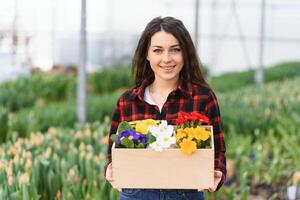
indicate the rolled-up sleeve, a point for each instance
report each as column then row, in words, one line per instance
column 113, row 130
column 213, row 112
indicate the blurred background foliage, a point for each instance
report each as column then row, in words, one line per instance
column 260, row 124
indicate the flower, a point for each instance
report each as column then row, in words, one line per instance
column 190, row 135
column 188, row 146
column 24, row 178
column 164, row 136
column 130, row 134
column 181, row 133
column 161, row 129
column 187, row 134
column 133, row 138
column 166, row 141
column 198, row 116
column 10, row 180
column 156, row 146
column 142, row 125
column 184, row 118
column 201, row 133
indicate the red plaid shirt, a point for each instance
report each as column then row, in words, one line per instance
column 187, row 98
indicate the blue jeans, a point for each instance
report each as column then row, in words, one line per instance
column 157, row 194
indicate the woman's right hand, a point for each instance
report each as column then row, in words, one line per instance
column 109, row 177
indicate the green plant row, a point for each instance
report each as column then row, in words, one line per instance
column 68, row 164
column 264, row 167
column 237, row 80
column 35, row 90
column 256, row 109
column 42, row 89
column 246, row 111
column 60, row 164
column 39, row 90
column 261, row 129
column 58, row 114
column 109, row 80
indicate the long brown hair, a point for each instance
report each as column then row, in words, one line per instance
column 191, row 69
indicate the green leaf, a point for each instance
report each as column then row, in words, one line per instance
column 45, row 162
column 25, row 194
column 127, row 143
column 15, row 195
column 140, row 145
column 150, row 138
column 124, row 126
column 114, row 137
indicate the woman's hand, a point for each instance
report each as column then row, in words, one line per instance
column 218, row 177
column 109, row 177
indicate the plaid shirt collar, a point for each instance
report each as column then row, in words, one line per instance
column 184, row 87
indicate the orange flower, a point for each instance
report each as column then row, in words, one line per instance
column 187, row 146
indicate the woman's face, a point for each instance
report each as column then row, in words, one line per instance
column 165, row 56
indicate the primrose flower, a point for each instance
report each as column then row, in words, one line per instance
column 142, row 126
column 163, row 134
column 156, row 146
column 162, row 130
column 188, row 146
column 165, row 141
column 181, row 133
column 201, row 133
column 130, row 134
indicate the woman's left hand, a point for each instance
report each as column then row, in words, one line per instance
column 218, row 177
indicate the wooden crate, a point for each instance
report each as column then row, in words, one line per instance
column 169, row 169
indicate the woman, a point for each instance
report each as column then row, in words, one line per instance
column 168, row 80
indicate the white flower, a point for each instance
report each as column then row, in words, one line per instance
column 155, row 145
column 162, row 129
column 163, row 134
column 166, row 141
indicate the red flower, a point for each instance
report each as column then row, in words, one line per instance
column 201, row 117
column 180, row 120
column 184, row 117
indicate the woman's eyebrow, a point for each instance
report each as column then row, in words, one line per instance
column 175, row 45
column 172, row 46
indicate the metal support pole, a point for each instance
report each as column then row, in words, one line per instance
column 259, row 76
column 81, row 76
column 196, row 24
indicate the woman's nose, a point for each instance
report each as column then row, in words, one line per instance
column 167, row 57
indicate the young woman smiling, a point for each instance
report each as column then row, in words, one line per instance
column 168, row 80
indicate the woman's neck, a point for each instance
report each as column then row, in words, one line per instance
column 163, row 87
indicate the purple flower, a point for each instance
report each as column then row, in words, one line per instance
column 126, row 134
column 142, row 138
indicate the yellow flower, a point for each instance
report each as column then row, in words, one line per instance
column 142, row 125
column 141, row 128
column 201, row 133
column 187, row 146
column 191, row 133
column 180, row 133
column 149, row 122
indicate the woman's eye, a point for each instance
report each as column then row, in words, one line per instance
column 157, row 50
column 175, row 50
